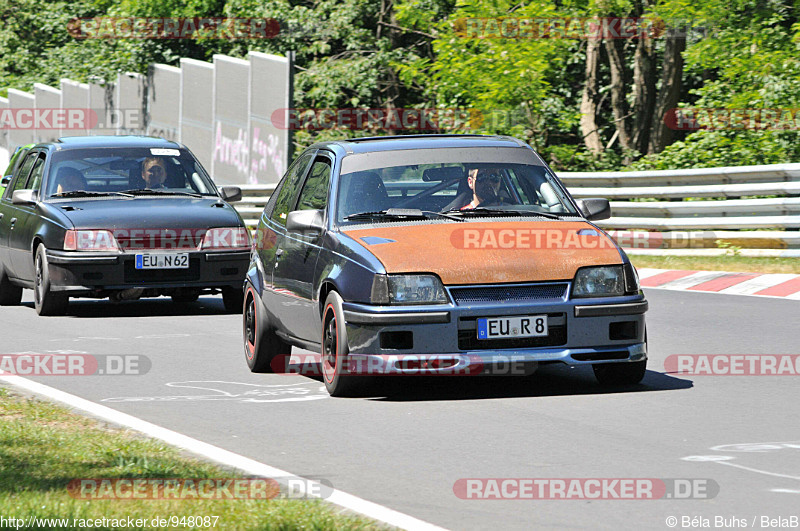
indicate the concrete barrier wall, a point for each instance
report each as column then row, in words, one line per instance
column 222, row 111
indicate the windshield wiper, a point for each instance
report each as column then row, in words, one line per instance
column 151, row 191
column 399, row 213
column 85, row 193
column 480, row 211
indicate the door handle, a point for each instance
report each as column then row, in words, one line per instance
column 278, row 252
column 1, row 215
column 13, row 220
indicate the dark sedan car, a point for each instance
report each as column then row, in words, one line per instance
column 444, row 254
column 118, row 217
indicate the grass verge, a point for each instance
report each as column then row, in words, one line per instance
column 43, row 446
column 747, row 264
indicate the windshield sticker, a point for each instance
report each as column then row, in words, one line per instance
column 165, row 152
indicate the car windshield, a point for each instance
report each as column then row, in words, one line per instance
column 462, row 190
column 79, row 173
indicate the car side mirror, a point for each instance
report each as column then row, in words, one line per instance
column 595, row 209
column 24, row 197
column 309, row 221
column 230, row 193
column 5, row 180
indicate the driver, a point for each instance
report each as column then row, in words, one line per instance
column 154, row 172
column 485, row 185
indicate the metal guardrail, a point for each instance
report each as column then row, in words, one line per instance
column 653, row 205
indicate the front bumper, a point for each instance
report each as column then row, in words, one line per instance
column 77, row 272
column 442, row 339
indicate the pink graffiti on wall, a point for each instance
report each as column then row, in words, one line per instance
column 249, row 158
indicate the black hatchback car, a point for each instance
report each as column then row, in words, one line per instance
column 437, row 254
column 122, row 217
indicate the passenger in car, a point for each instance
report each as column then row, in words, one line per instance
column 69, row 180
column 154, row 172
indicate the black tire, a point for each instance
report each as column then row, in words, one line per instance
column 262, row 346
column 10, row 295
column 620, row 373
column 335, row 351
column 233, row 299
column 46, row 301
column 185, row 297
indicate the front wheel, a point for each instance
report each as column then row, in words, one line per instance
column 335, row 366
column 46, row 301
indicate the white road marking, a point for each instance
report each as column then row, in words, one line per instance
column 236, row 391
column 220, row 455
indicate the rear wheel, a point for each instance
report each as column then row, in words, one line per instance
column 10, row 295
column 46, row 301
column 233, row 298
column 334, row 350
column 263, row 348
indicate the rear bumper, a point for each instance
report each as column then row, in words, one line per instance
column 86, row 273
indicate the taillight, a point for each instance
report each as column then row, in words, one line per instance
column 90, row 240
column 226, row 238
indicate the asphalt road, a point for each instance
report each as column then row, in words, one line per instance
column 406, row 447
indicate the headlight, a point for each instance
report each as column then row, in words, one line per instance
column 604, row 281
column 408, row 289
column 90, row 240
column 227, row 238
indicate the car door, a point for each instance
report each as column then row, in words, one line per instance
column 294, row 269
column 19, row 242
column 272, row 228
column 9, row 212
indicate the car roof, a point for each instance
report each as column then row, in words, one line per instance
column 122, row 141
column 401, row 142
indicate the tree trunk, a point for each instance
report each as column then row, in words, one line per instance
column 669, row 93
column 615, row 49
column 644, row 93
column 591, row 136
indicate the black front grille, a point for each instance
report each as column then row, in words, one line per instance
column 150, row 276
column 468, row 336
column 517, row 293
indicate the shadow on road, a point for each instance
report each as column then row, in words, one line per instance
column 155, row 307
column 549, row 380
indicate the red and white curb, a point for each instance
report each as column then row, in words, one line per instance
column 786, row 286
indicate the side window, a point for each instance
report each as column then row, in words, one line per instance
column 289, row 187
column 35, row 180
column 314, row 195
column 22, row 175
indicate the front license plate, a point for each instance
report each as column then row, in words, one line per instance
column 162, row 261
column 518, row 326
